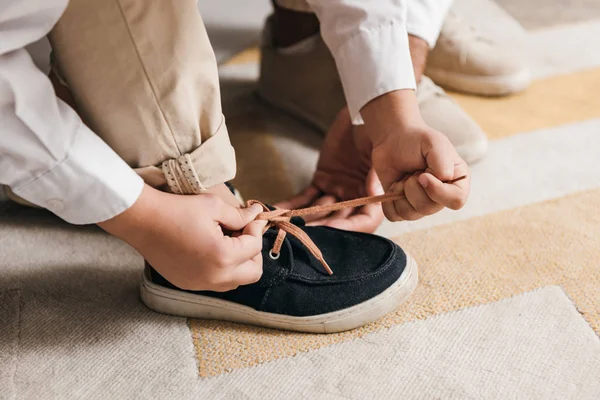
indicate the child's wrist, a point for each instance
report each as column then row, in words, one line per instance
column 391, row 113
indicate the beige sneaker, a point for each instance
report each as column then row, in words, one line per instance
column 302, row 80
column 17, row 199
column 463, row 60
column 442, row 113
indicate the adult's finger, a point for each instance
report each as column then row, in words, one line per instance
column 373, row 184
column 360, row 222
column 368, row 218
column 364, row 219
column 321, row 201
column 342, row 121
column 342, row 214
column 301, row 200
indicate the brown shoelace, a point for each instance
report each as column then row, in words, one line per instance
column 280, row 219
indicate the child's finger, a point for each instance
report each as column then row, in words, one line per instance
column 419, row 199
column 451, row 195
column 440, row 158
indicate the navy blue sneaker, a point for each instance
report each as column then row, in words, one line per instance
column 371, row 277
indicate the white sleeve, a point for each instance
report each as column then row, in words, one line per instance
column 47, row 155
column 369, row 42
column 425, row 18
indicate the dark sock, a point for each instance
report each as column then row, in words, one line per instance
column 230, row 187
column 290, row 27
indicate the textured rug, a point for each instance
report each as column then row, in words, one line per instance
column 508, row 304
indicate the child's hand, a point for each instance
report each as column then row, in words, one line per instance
column 408, row 155
column 183, row 238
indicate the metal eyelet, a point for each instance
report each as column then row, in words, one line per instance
column 274, row 256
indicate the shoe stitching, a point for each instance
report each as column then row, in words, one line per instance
column 388, row 263
column 263, row 302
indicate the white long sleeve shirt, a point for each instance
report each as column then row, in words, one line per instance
column 49, row 157
column 369, row 42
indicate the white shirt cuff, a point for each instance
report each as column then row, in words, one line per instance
column 374, row 62
column 90, row 185
column 425, row 19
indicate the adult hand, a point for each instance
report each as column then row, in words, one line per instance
column 343, row 172
column 185, row 238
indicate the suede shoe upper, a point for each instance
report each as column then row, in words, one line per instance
column 294, row 283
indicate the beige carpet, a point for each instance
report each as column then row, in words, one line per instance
column 9, row 332
column 508, row 304
column 533, row 346
column 463, row 264
column 534, row 200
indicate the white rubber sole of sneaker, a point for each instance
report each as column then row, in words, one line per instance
column 481, row 85
column 175, row 302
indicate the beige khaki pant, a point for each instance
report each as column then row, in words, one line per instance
column 144, row 78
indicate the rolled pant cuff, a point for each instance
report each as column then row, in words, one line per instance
column 210, row 164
